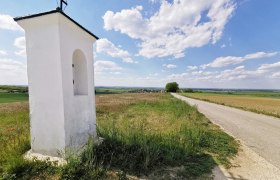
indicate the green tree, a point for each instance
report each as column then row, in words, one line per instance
column 171, row 87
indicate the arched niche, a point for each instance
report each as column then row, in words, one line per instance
column 79, row 68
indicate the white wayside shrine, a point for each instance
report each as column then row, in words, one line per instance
column 61, row 83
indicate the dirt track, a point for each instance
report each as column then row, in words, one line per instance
column 260, row 133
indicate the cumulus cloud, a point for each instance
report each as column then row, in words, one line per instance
column 13, row 72
column 176, row 26
column 240, row 73
column 21, row 44
column 223, row 46
column 3, row 53
column 7, row 22
column 129, row 60
column 169, row 66
column 154, row 1
column 153, row 74
column 233, row 60
column 191, row 68
column 239, row 77
column 100, row 66
column 276, row 75
column 269, row 67
column 178, row 76
column 115, row 73
column 107, row 47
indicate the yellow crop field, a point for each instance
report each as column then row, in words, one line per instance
column 263, row 105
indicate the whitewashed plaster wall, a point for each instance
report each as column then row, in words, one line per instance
column 60, row 120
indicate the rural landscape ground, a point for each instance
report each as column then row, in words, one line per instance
column 146, row 135
column 263, row 102
column 258, row 134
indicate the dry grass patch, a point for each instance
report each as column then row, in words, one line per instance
column 116, row 102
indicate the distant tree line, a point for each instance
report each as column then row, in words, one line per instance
column 14, row 89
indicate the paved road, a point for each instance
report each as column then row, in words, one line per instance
column 259, row 132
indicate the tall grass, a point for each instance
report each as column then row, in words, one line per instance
column 14, row 142
column 14, row 135
column 147, row 135
column 152, row 135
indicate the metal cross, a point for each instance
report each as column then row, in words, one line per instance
column 61, row 4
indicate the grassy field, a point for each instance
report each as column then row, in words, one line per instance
column 260, row 102
column 106, row 90
column 122, row 90
column 146, row 135
column 13, row 97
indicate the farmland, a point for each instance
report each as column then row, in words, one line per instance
column 267, row 102
column 146, row 135
column 13, row 97
column 10, row 94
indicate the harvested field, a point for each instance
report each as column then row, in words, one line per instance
column 263, row 105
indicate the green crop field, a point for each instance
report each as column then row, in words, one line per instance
column 10, row 94
column 264, row 102
column 149, row 135
column 13, row 97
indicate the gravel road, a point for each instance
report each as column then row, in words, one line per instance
column 258, row 132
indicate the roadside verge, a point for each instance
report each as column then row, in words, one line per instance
column 248, row 164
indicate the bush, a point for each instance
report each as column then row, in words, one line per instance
column 172, row 87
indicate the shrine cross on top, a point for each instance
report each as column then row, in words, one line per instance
column 61, row 4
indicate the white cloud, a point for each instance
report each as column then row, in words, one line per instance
column 154, row 74
column 175, row 27
column 100, row 66
column 128, row 21
column 203, row 73
column 21, row 52
column 116, row 73
column 191, row 68
column 178, row 76
column 13, row 72
column 228, row 76
column 154, row 1
column 179, row 55
column 233, row 60
column 276, row 75
column 129, row 60
column 223, row 46
column 3, row 53
column 21, row 44
column 7, row 22
column 259, row 55
column 107, row 47
column 169, row 66
column 239, row 77
column 269, row 67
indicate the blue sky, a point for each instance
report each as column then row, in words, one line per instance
column 198, row 43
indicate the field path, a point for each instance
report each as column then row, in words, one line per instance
column 260, row 133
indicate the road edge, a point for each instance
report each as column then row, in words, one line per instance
column 247, row 164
